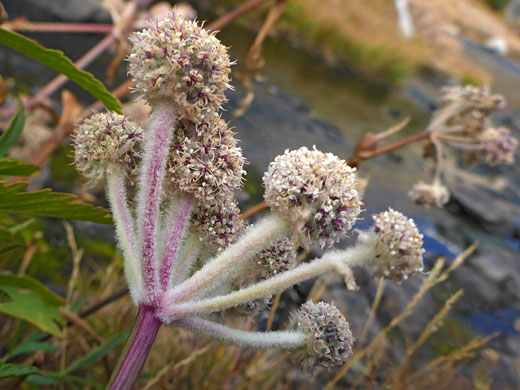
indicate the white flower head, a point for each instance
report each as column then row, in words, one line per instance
column 316, row 191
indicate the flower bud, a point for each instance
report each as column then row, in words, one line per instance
column 434, row 194
column 329, row 342
column 316, row 191
column 398, row 246
column 105, row 139
column 178, row 60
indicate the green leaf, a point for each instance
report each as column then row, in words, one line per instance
column 28, row 306
column 40, row 380
column 13, row 167
column 32, row 301
column 73, row 382
column 31, row 284
column 30, row 346
column 56, row 60
column 46, row 203
column 5, row 297
column 96, row 354
column 10, row 241
column 10, row 370
column 13, row 132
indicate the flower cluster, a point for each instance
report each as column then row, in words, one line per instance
column 429, row 194
column 316, row 191
column 498, row 145
column 463, row 124
column 187, row 253
column 279, row 257
column 178, row 60
column 205, row 160
column 329, row 339
column 104, row 140
column 398, row 246
column 218, row 225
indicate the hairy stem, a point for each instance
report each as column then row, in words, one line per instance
column 242, row 338
column 151, row 176
column 136, row 350
column 355, row 256
column 177, row 223
column 255, row 239
column 125, row 230
column 186, row 259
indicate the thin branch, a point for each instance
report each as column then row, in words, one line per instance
column 354, row 162
column 22, row 24
column 226, row 19
column 253, row 210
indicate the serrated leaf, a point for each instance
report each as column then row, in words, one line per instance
column 5, row 297
column 32, row 301
column 47, row 203
column 13, row 132
column 56, row 60
column 28, row 306
column 14, row 370
column 31, row 284
column 96, row 354
column 14, row 167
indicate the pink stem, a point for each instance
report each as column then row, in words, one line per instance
column 175, row 232
column 153, row 170
column 136, row 350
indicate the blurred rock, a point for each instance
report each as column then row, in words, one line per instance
column 505, row 374
column 396, row 298
column 485, row 294
column 65, row 10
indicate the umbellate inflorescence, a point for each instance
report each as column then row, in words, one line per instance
column 329, row 339
column 103, row 140
column 178, row 60
column 187, row 252
column 316, row 191
column 463, row 124
column 398, row 246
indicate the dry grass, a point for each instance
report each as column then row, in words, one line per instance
column 182, row 360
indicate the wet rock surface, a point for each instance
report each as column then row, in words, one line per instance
column 59, row 10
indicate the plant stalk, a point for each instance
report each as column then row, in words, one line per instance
column 136, row 350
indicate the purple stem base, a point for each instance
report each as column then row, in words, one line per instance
column 136, row 350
